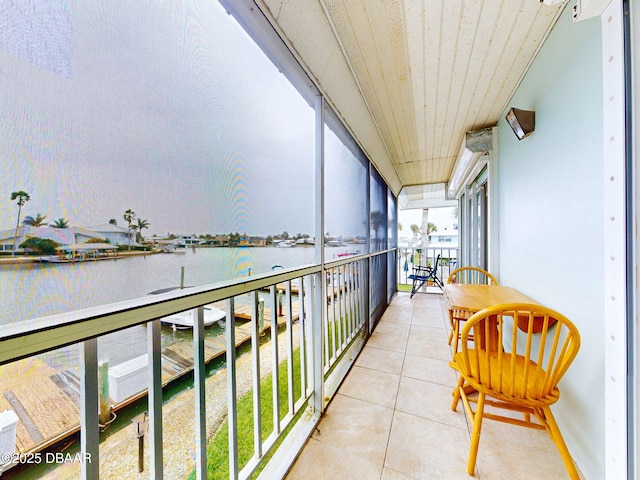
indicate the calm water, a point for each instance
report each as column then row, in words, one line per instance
column 33, row 291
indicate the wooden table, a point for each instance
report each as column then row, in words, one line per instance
column 471, row 298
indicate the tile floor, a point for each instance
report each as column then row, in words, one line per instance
column 392, row 417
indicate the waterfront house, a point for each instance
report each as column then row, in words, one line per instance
column 62, row 236
column 189, row 240
column 115, row 234
column 219, row 241
column 417, row 94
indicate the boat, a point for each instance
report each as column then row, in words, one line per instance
column 285, row 244
column 182, row 320
column 173, row 248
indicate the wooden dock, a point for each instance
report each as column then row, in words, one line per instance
column 47, row 401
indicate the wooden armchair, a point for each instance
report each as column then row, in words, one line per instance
column 473, row 275
column 510, row 366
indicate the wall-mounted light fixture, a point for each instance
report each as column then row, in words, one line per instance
column 523, row 122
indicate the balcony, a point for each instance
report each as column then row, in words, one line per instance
column 392, row 417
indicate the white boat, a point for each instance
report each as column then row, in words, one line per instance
column 285, row 244
column 179, row 249
column 212, row 314
column 182, row 320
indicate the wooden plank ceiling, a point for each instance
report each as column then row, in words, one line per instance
column 423, row 71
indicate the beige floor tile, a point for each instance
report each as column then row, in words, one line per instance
column 427, row 333
column 401, row 298
column 383, row 360
column 356, row 427
column 396, row 342
column 429, row 400
column 439, row 350
column 401, row 314
column 323, row 461
column 389, row 474
column 387, row 327
column 429, row 320
column 371, row 386
column 424, row 449
column 429, row 369
column 508, row 451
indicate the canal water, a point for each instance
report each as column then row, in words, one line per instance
column 32, row 291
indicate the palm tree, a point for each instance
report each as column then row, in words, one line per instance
column 60, row 223
column 377, row 221
column 129, row 216
column 37, row 221
column 415, row 229
column 22, row 197
column 113, row 221
column 141, row 224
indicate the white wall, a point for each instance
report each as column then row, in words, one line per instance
column 550, row 198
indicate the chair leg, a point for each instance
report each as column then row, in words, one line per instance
column 475, row 435
column 456, row 335
column 556, row 436
column 452, row 325
column 456, row 393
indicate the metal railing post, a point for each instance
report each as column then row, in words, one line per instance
column 155, row 399
column 232, row 406
column 199, row 377
column 89, row 428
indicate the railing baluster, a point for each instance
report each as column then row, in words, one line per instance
column 289, row 308
column 303, row 325
column 89, row 429
column 339, row 325
column 350, row 280
column 318, row 300
column 155, row 399
column 335, row 299
column 255, row 352
column 275, row 368
column 199, row 378
column 328, row 289
column 232, row 414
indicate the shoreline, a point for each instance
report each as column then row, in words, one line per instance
column 31, row 259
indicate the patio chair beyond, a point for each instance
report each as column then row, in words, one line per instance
column 422, row 274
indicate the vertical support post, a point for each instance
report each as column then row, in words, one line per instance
column 369, row 272
column 232, row 418
column 618, row 272
column 155, row 399
column 89, row 429
column 199, row 396
column 103, row 387
column 319, row 285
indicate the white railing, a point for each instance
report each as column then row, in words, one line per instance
column 321, row 314
column 414, row 256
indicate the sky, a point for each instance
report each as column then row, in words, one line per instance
column 165, row 108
